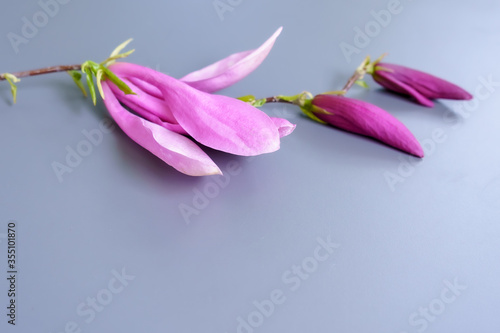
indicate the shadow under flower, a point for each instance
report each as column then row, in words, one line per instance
column 135, row 160
column 342, row 144
column 139, row 162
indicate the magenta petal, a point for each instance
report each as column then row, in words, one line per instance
column 219, row 122
column 284, row 126
column 429, row 86
column 230, row 70
column 388, row 81
column 146, row 114
column 367, row 119
column 174, row 149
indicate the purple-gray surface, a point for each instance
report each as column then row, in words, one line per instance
column 332, row 233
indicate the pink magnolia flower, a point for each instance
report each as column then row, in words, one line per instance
column 366, row 119
column 166, row 109
column 422, row 86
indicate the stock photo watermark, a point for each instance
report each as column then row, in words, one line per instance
column 223, row 6
column 74, row 156
column 408, row 165
column 210, row 190
column 291, row 279
column 213, row 185
column 364, row 35
column 422, row 318
column 93, row 305
column 11, row 272
column 31, row 24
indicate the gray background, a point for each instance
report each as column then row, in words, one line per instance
column 401, row 246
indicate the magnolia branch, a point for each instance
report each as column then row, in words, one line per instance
column 40, row 71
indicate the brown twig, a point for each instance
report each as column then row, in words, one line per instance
column 46, row 70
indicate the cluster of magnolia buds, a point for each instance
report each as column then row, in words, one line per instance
column 369, row 120
column 171, row 117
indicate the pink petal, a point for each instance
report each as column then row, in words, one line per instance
column 219, row 122
column 367, row 119
column 284, row 126
column 149, row 107
column 174, row 149
column 230, row 70
column 146, row 87
column 146, row 114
